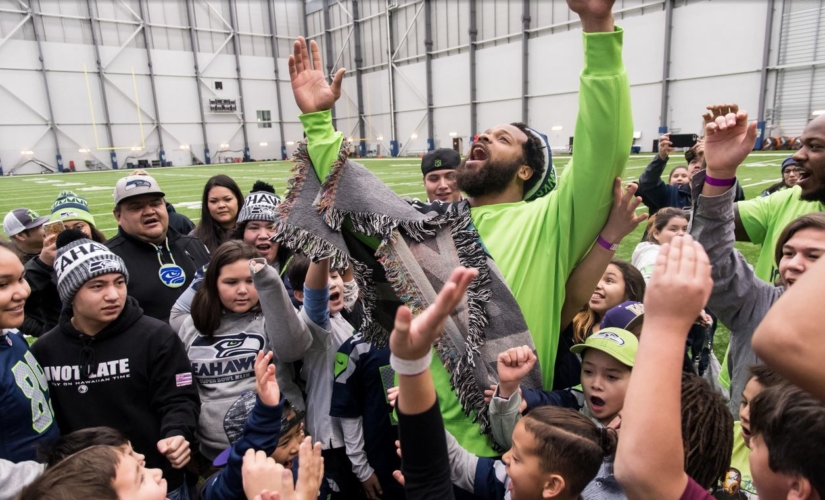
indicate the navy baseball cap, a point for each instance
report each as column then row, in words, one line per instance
column 627, row 315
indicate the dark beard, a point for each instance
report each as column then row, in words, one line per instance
column 492, row 178
column 817, row 195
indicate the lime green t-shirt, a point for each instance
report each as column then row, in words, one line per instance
column 738, row 483
column 764, row 219
column 537, row 244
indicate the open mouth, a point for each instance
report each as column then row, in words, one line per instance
column 596, row 403
column 803, row 176
column 333, row 297
column 597, row 296
column 150, row 222
column 746, row 432
column 477, row 155
column 288, row 464
column 263, row 247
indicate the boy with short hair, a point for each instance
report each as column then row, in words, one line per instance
column 738, row 483
column 108, row 364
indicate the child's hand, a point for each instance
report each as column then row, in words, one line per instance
column 679, row 288
column 176, row 450
column 412, row 338
column 622, row 219
column 310, row 470
column 392, row 395
column 256, row 264
column 265, row 382
column 513, row 365
column 262, row 475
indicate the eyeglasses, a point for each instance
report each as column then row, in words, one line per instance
column 792, row 170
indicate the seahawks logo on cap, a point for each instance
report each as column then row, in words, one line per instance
column 266, row 211
column 104, row 266
column 136, row 183
column 437, row 163
column 609, row 336
column 66, row 215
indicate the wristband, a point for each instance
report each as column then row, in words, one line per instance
column 719, row 182
column 606, row 244
column 411, row 367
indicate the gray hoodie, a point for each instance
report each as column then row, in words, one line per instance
column 739, row 299
column 224, row 365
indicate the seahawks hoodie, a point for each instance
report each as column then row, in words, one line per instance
column 224, row 364
column 133, row 376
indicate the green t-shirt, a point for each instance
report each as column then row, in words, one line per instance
column 738, row 483
column 536, row 245
column 764, row 219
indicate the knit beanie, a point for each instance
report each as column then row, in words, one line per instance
column 71, row 206
column 546, row 182
column 259, row 204
column 80, row 259
column 787, row 163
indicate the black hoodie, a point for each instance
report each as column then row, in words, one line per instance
column 139, row 381
column 141, row 259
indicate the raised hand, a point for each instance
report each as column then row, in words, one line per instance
column 679, row 288
column 596, row 15
column 623, row 219
column 309, row 85
column 263, row 476
column 413, row 338
column 665, row 146
column 310, row 470
column 265, row 382
column 729, row 139
column 513, row 365
column 49, row 250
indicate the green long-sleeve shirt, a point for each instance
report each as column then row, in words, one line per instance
column 536, row 245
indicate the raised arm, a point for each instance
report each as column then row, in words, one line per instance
column 790, row 339
column 316, row 293
column 287, row 333
column 421, row 428
column 650, row 458
column 736, row 289
column 584, row 278
column 603, row 133
column 315, row 97
column 652, row 188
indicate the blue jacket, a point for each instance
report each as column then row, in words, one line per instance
column 656, row 194
column 26, row 415
column 261, row 433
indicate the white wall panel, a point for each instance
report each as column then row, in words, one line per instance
column 451, row 80
column 499, row 72
column 688, row 98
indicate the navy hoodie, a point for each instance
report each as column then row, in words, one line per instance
column 139, row 382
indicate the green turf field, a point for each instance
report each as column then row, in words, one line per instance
column 183, row 187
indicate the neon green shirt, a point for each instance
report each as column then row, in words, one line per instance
column 765, row 218
column 536, row 245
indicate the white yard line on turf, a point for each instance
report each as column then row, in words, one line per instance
column 769, row 181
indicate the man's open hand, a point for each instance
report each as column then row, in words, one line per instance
column 309, row 85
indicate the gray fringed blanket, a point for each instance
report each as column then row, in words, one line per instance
column 417, row 249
